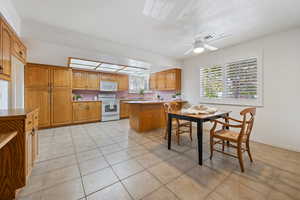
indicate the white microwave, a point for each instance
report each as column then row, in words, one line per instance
column 108, row 86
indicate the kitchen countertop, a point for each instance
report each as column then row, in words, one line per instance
column 155, row 101
column 82, row 101
column 14, row 113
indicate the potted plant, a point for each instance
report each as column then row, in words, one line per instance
column 178, row 95
column 142, row 92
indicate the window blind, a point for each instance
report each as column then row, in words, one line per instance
column 241, row 79
column 233, row 83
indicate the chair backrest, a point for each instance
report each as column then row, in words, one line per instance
column 170, row 107
column 248, row 121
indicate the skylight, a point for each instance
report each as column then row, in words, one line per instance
column 138, row 68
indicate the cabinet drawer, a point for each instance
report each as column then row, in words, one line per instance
column 29, row 122
column 19, row 50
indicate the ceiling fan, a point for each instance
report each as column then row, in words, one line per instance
column 199, row 46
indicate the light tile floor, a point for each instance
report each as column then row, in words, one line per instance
column 109, row 161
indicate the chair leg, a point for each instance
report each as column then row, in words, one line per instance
column 178, row 136
column 223, row 145
column 248, row 150
column 240, row 157
column 166, row 133
column 211, row 147
column 191, row 132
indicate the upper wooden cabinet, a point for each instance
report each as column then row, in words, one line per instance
column 108, row 77
column 9, row 45
column 37, row 76
column 123, row 82
column 166, row 80
column 152, row 81
column 85, row 80
column 5, row 56
column 61, row 77
column 19, row 50
column 93, row 82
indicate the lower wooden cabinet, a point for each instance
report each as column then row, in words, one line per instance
column 20, row 154
column 86, row 111
column 61, row 106
column 124, row 110
column 39, row 98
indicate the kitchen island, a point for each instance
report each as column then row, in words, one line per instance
column 147, row 115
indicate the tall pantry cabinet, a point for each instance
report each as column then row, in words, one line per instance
column 50, row 89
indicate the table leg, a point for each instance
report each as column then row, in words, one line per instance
column 200, row 141
column 169, row 130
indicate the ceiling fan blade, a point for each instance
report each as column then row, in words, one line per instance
column 188, row 51
column 209, row 47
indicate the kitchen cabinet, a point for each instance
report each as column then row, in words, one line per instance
column 85, row 80
column 5, row 56
column 124, row 110
column 161, row 81
column 86, row 111
column 61, row 105
column 166, row 80
column 93, row 82
column 108, row 77
column 49, row 89
column 39, row 98
column 61, row 77
column 78, row 80
column 21, row 153
column 19, row 50
column 123, row 82
column 152, row 81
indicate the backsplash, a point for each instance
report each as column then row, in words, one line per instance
column 90, row 95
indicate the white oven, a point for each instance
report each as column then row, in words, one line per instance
column 110, row 107
column 108, row 86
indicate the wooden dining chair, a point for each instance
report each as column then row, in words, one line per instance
column 180, row 126
column 241, row 138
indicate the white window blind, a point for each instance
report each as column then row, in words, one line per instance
column 236, row 82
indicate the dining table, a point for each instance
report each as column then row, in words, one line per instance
column 199, row 119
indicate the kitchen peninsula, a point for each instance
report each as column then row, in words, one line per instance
column 147, row 115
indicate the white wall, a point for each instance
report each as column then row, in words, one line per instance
column 9, row 12
column 276, row 122
column 51, row 45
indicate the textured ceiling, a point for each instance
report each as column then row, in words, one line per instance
column 166, row 27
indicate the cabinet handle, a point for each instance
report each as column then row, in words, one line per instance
column 21, row 53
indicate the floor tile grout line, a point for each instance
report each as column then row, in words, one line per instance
column 78, row 165
column 119, row 180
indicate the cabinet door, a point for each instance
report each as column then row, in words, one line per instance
column 6, row 49
column 93, row 81
column 61, row 78
column 39, row 98
column 61, row 106
column 94, row 111
column 152, row 82
column 124, row 110
column 161, row 80
column 37, row 76
column 107, row 77
column 80, row 112
column 123, row 82
column 79, row 80
column 171, row 80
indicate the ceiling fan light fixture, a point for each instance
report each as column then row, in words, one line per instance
column 198, row 50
